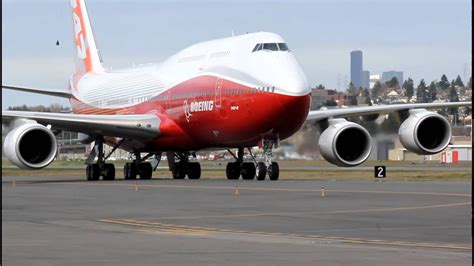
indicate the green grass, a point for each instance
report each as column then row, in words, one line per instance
column 77, row 169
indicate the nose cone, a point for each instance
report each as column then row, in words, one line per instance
column 291, row 78
column 295, row 83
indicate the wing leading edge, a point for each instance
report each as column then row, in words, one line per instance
column 319, row 115
column 57, row 93
column 126, row 126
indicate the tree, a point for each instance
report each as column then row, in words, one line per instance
column 351, row 90
column 453, row 97
column 393, row 83
column 352, row 94
column 432, row 91
column 409, row 87
column 422, row 94
column 376, row 90
column 459, row 82
column 320, row 87
column 352, row 99
column 469, row 84
column 443, row 83
column 453, row 94
column 365, row 93
column 368, row 101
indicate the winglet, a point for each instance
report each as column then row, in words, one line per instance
column 87, row 57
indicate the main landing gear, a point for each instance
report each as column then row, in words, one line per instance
column 250, row 170
column 99, row 169
column 180, row 166
column 138, row 167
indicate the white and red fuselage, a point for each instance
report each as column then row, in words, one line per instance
column 229, row 92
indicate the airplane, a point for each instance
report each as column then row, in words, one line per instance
column 230, row 93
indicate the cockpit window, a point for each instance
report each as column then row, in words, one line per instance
column 257, row 47
column 271, row 47
column 283, row 46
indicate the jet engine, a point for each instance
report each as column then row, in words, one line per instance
column 345, row 143
column 30, row 145
column 425, row 132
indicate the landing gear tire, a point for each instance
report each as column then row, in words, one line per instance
column 92, row 172
column 261, row 171
column 248, row 171
column 130, row 171
column 194, row 170
column 145, row 170
column 180, row 171
column 109, row 172
column 273, row 171
column 232, row 171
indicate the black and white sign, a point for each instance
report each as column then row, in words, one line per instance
column 380, row 171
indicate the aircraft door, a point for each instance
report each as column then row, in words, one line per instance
column 218, row 93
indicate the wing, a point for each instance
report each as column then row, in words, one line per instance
column 127, row 126
column 377, row 109
column 57, row 93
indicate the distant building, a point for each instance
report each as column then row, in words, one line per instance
column 356, row 68
column 373, row 79
column 388, row 75
column 365, row 79
column 338, row 97
column 318, row 98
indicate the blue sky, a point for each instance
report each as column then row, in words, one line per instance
column 423, row 38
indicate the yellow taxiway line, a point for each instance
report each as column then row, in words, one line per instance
column 181, row 229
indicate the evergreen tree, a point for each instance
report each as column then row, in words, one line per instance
column 453, row 94
column 376, row 90
column 432, row 91
column 352, row 90
column 453, row 97
column 320, row 87
column 393, row 83
column 469, row 84
column 352, row 99
column 443, row 83
column 368, row 101
column 409, row 88
column 422, row 94
column 459, row 82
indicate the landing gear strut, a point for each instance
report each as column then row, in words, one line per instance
column 272, row 168
column 180, row 166
column 95, row 170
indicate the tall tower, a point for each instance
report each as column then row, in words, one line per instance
column 356, row 68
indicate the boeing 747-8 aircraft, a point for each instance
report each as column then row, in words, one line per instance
column 230, row 93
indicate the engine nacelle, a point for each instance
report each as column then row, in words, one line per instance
column 345, row 143
column 425, row 132
column 30, row 145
